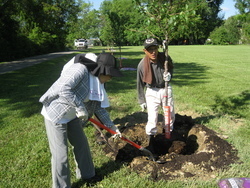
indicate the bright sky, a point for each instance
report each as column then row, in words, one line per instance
column 227, row 7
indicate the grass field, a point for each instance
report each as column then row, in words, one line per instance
column 211, row 84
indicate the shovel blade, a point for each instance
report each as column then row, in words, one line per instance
column 148, row 153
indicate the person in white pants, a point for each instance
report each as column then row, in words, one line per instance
column 155, row 100
column 150, row 75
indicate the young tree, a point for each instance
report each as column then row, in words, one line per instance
column 180, row 19
column 166, row 19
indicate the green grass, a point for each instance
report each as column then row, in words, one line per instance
column 211, row 83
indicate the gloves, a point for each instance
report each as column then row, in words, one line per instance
column 143, row 107
column 118, row 133
column 166, row 77
column 82, row 114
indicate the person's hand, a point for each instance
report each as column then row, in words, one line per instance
column 166, row 77
column 82, row 114
column 118, row 133
column 143, row 107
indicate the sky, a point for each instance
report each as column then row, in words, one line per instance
column 227, row 7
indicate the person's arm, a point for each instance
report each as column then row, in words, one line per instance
column 140, row 84
column 103, row 115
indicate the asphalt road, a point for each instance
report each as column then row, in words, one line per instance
column 19, row 64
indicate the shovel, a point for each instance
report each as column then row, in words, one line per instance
column 145, row 151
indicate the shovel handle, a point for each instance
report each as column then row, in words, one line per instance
column 113, row 132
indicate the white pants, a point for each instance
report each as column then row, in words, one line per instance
column 58, row 136
column 155, row 99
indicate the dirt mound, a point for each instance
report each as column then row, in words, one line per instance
column 193, row 151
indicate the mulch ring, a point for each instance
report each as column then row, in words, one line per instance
column 194, row 151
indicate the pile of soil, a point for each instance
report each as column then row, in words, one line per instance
column 193, row 151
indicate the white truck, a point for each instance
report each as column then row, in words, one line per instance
column 81, row 44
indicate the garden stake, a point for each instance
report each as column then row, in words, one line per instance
column 166, row 107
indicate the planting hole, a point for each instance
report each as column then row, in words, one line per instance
column 194, row 151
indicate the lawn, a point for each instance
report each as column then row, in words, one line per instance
column 211, row 84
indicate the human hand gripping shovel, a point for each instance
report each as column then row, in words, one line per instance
column 144, row 150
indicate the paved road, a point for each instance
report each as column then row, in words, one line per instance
column 15, row 65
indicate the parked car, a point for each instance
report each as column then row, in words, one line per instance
column 81, row 44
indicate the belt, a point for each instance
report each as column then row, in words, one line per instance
column 156, row 86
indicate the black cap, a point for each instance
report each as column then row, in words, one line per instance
column 150, row 42
column 107, row 65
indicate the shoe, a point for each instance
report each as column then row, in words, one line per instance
column 89, row 182
column 94, row 179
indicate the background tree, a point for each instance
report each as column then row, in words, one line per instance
column 226, row 34
column 245, row 30
column 209, row 19
column 10, row 36
column 86, row 26
column 243, row 6
column 236, row 29
column 119, row 17
column 44, row 22
column 105, row 33
column 32, row 27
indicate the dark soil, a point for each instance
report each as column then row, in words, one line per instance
column 193, row 151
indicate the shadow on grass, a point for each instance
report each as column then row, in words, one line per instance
column 205, row 119
column 104, row 170
column 189, row 73
column 236, row 105
column 20, row 90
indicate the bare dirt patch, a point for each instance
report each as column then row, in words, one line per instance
column 194, row 151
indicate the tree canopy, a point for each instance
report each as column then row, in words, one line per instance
column 236, row 29
column 33, row 27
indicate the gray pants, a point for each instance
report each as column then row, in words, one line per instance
column 58, row 136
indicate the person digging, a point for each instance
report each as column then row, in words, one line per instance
column 88, row 59
column 72, row 99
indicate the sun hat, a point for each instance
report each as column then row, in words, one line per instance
column 150, row 42
column 106, row 65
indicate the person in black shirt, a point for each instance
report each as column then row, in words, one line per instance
column 150, row 75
